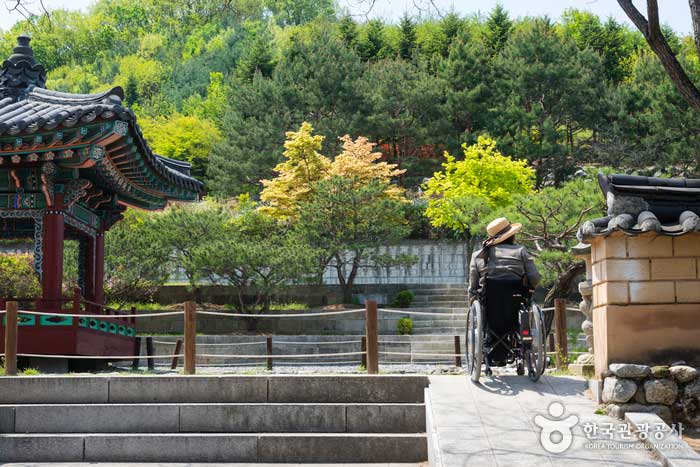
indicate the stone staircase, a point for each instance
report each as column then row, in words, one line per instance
column 443, row 299
column 262, row 419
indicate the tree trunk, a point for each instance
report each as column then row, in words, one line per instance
column 562, row 288
column 651, row 30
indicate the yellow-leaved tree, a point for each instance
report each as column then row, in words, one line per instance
column 306, row 166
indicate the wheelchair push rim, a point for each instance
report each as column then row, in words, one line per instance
column 474, row 341
column 536, row 356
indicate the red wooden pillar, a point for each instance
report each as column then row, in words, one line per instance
column 99, row 278
column 52, row 261
column 89, row 270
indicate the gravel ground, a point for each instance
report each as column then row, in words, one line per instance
column 389, row 368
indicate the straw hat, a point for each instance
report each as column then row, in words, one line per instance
column 500, row 230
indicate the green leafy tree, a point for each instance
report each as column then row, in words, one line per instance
column 347, row 222
column 553, row 92
column 184, row 229
column 551, row 217
column 466, row 191
column 17, row 277
column 136, row 259
column 257, row 255
column 181, row 137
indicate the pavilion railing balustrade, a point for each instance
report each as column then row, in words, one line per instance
column 187, row 349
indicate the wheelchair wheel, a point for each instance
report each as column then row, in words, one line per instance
column 536, row 355
column 475, row 340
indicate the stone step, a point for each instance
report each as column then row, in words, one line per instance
column 212, row 389
column 189, row 447
column 212, row 418
column 440, row 290
column 439, row 303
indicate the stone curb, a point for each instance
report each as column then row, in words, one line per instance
column 681, row 456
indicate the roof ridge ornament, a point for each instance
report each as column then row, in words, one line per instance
column 20, row 73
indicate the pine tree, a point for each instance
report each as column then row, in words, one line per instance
column 131, row 93
column 347, row 28
column 498, row 28
column 372, row 42
column 407, row 38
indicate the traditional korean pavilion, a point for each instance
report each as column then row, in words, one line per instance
column 70, row 165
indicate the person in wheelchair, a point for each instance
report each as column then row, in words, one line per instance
column 502, row 275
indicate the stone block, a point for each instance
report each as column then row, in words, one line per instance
column 652, row 292
column 41, row 448
column 54, row 390
column 683, row 373
column 168, row 389
column 619, row 410
column 649, row 246
column 660, row 391
column 688, row 291
column 673, row 268
column 616, row 390
column 625, row 270
column 347, row 389
column 96, row 418
column 171, row 447
column 630, row 370
column 660, row 371
column 388, row 418
column 611, row 293
column 7, row 419
column 350, row 448
column 274, row 418
column 687, row 245
column 609, row 247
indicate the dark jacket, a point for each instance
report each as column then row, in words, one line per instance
column 505, row 261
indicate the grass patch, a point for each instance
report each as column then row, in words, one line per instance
column 30, row 372
column 560, row 372
column 293, row 306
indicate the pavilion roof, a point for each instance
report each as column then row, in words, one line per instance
column 96, row 133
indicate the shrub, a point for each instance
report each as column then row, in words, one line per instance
column 17, row 277
column 403, row 299
column 405, row 326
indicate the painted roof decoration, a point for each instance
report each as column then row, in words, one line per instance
column 667, row 206
column 94, row 133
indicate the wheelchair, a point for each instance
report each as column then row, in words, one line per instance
column 505, row 326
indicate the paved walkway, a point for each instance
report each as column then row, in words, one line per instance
column 492, row 424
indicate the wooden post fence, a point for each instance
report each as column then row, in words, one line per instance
column 190, row 337
column 178, row 349
column 269, row 352
column 137, row 352
column 149, row 353
column 458, row 353
column 11, row 339
column 560, row 336
column 371, row 337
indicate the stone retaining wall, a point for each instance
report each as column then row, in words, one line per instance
column 671, row 392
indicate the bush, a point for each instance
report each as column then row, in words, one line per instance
column 405, row 326
column 403, row 299
column 17, row 277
